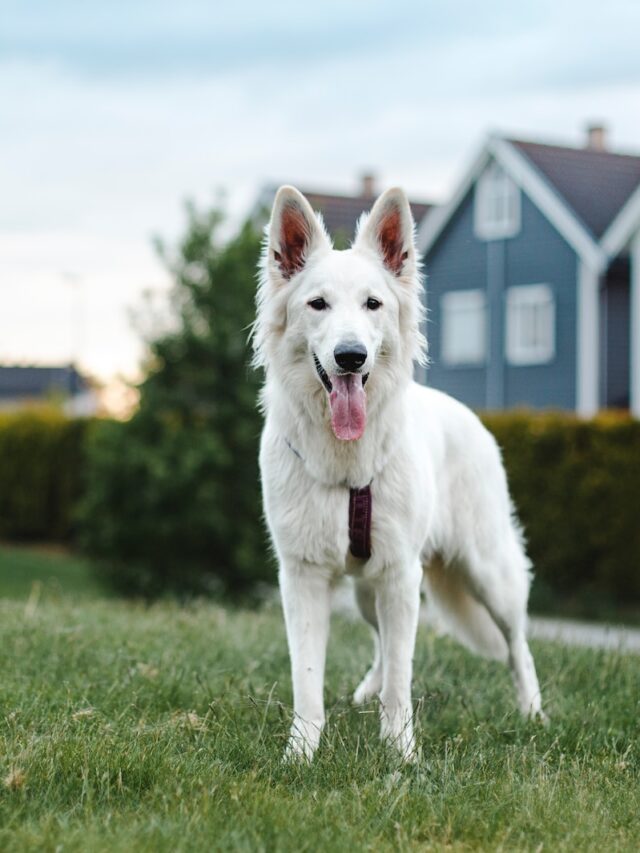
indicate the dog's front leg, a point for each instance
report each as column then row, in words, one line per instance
column 306, row 598
column 397, row 606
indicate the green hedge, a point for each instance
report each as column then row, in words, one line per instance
column 575, row 484
column 576, row 487
column 42, row 465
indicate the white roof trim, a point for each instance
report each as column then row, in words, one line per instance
column 548, row 201
column 435, row 220
column 623, row 227
column 534, row 185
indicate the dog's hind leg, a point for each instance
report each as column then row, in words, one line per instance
column 484, row 605
column 502, row 586
column 371, row 684
column 523, row 670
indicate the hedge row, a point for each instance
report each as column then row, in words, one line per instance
column 42, row 465
column 576, row 486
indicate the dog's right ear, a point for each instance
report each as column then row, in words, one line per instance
column 294, row 233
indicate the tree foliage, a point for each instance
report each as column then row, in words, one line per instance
column 173, row 500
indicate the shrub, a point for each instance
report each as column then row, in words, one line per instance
column 576, row 486
column 42, row 466
column 173, row 499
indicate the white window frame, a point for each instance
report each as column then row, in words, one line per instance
column 496, row 204
column 520, row 299
column 457, row 302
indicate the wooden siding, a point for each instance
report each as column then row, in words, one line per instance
column 458, row 261
column 538, row 254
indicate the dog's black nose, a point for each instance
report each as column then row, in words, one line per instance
column 350, row 355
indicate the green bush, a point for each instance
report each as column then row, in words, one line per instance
column 42, row 467
column 167, row 510
column 173, row 498
column 576, row 487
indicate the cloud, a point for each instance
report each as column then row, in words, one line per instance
column 135, row 38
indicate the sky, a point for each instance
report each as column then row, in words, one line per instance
column 113, row 114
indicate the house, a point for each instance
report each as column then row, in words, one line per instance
column 533, row 278
column 28, row 386
column 340, row 212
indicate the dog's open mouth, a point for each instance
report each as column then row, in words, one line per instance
column 347, row 401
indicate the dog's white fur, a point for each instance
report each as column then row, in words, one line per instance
column 441, row 507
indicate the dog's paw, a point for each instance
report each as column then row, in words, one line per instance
column 397, row 731
column 363, row 694
column 303, row 740
column 368, row 688
column 298, row 751
column 540, row 717
column 404, row 744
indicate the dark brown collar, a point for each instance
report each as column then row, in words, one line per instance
column 360, row 522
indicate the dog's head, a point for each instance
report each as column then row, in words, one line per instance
column 341, row 323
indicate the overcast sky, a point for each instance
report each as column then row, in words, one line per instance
column 113, row 113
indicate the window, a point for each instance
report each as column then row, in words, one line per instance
column 531, row 324
column 464, row 327
column 497, row 204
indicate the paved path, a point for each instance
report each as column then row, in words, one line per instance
column 572, row 633
column 585, row 634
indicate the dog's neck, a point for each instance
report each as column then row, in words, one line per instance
column 306, row 426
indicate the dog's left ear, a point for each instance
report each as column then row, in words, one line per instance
column 389, row 230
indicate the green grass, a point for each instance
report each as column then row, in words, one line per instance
column 50, row 572
column 126, row 728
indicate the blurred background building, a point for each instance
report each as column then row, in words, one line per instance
column 534, row 278
column 66, row 387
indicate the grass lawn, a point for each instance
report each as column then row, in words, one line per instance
column 44, row 571
column 125, row 728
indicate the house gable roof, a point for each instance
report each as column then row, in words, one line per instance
column 595, row 184
column 582, row 192
column 341, row 212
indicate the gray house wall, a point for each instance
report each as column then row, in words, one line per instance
column 458, row 261
column 537, row 255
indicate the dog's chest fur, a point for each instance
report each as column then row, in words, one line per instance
column 310, row 518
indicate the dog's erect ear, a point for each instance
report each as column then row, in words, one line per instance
column 294, row 232
column 389, row 231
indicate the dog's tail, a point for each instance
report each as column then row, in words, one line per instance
column 453, row 610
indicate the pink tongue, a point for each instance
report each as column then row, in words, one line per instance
column 348, row 406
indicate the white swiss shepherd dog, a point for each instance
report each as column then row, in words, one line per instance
column 338, row 333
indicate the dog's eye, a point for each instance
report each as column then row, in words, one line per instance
column 373, row 304
column 318, row 304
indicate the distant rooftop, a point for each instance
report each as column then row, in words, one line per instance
column 594, row 181
column 341, row 212
column 30, row 383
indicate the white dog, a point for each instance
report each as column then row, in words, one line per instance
column 367, row 473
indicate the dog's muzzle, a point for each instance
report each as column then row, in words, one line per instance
column 324, row 376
